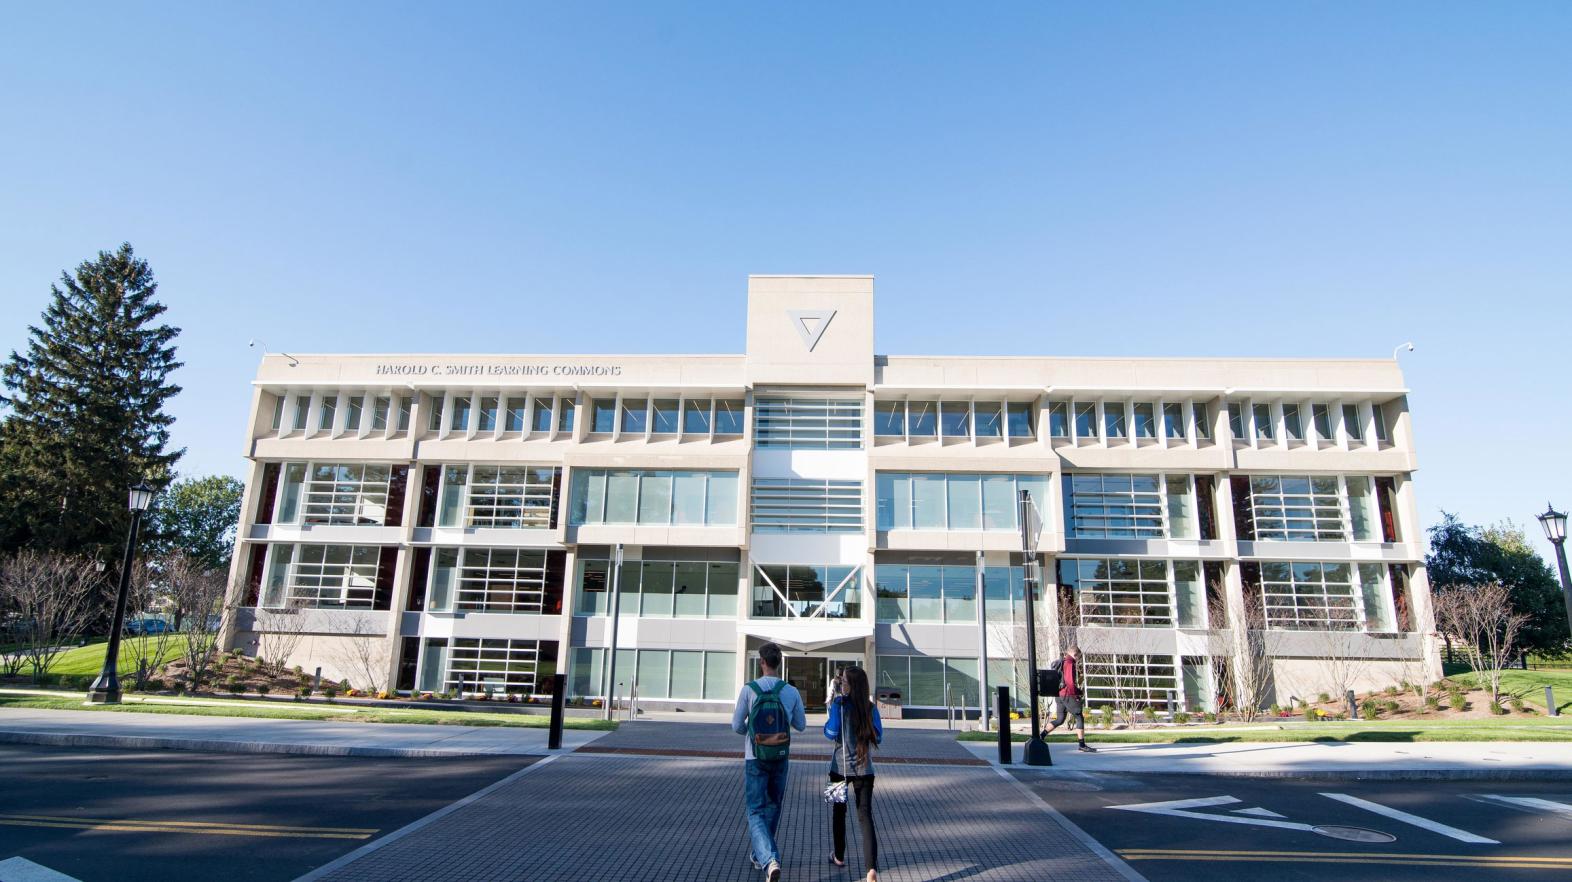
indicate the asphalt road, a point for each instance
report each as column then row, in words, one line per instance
column 171, row 816
column 1186, row 827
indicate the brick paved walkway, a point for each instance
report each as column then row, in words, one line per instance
column 662, row 738
column 582, row 817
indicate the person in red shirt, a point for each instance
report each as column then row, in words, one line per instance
column 1068, row 702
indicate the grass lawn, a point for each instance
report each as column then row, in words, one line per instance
column 89, row 659
column 276, row 710
column 1518, row 729
column 1529, row 684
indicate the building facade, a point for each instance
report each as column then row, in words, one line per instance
column 1211, row 530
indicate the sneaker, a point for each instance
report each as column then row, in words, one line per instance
column 773, row 873
column 1083, row 747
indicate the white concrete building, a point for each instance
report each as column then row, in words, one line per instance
column 452, row 522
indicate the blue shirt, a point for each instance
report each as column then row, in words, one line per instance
column 832, row 731
column 791, row 700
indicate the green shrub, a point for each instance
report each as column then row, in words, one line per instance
column 1391, row 707
column 1391, row 690
column 1105, row 717
column 1517, row 703
column 1209, row 717
column 1497, row 709
column 1432, row 703
column 1369, row 710
column 1181, row 717
column 1149, row 714
column 1323, row 698
column 1277, row 709
column 1457, row 701
column 263, row 688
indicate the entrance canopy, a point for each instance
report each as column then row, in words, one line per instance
column 806, row 635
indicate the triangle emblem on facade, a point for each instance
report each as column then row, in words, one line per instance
column 810, row 324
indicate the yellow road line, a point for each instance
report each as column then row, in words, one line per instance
column 217, row 824
column 135, row 827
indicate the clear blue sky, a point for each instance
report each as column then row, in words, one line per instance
column 1306, row 179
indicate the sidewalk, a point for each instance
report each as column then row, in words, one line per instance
column 1366, row 759
column 251, row 735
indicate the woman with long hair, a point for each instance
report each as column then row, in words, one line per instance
column 856, row 729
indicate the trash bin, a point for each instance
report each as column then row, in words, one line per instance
column 889, row 703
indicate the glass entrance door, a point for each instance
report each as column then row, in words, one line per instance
column 811, row 677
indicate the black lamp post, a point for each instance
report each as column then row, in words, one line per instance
column 1555, row 524
column 106, row 689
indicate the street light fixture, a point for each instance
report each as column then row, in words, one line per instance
column 106, row 689
column 1555, row 524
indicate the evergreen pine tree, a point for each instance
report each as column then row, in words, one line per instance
column 86, row 413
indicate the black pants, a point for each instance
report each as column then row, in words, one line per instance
column 862, row 788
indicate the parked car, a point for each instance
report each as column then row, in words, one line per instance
column 147, row 626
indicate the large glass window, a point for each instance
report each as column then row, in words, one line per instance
column 1085, row 419
column 1298, row 508
column 922, row 419
column 329, row 411
column 1322, row 418
column 801, row 591
column 510, row 580
column 696, row 418
column 1264, row 430
column 1173, row 421
column 336, row 493
column 485, row 666
column 928, row 681
column 1309, row 596
column 728, row 417
column 461, row 408
column 1117, row 592
column 603, row 417
column 1131, row 681
column 788, row 505
column 1352, row 424
column 1058, row 420
column 889, row 418
column 499, row 497
column 324, row 576
column 622, row 496
column 1145, row 420
column 1203, row 421
column 541, row 421
column 665, row 417
column 990, row 422
column 1292, row 425
column 660, row 589
column 1018, row 419
column 634, row 416
column 955, row 419
column 1113, row 419
column 660, row 673
column 1115, row 506
column 936, row 593
column 953, row 501
column 807, row 423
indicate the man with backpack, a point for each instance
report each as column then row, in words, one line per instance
column 1067, row 697
column 767, row 710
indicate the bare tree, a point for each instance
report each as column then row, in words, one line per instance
column 54, row 597
column 1486, row 628
column 1252, row 684
column 279, row 633
column 1342, row 653
column 199, row 594
column 363, row 652
column 147, row 650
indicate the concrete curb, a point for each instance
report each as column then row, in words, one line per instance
column 1313, row 774
column 137, row 742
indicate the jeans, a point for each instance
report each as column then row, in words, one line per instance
column 764, row 784
column 862, row 790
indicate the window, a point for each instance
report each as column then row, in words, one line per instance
column 1145, row 421
column 379, row 414
column 605, row 417
column 728, row 417
column 665, row 417
column 336, row 493
column 989, row 422
column 1173, row 421
column 1291, row 423
column 1085, row 419
column 357, row 403
column 1130, row 681
column 922, row 419
column 889, row 418
column 1115, row 506
column 1376, row 599
column 513, row 414
column 461, row 407
column 1264, row 430
column 488, row 415
column 302, row 404
column 1379, row 414
column 1297, row 508
column 955, row 419
column 325, row 576
column 808, row 423
column 499, row 497
column 927, row 681
column 515, row 667
column 796, row 591
column 952, row 501
column 1236, row 421
column 793, row 505
column 1190, row 593
column 1362, row 514
column 1181, row 507
column 542, row 421
column 1018, row 418
column 923, row 593
column 661, row 589
column 1322, row 417
column 635, row 417
column 329, row 409
column 565, row 416
column 696, row 418
column 1113, row 419
column 1121, row 593
column 655, row 498
column 1306, row 595
column 434, row 420
column 1352, row 424
column 278, row 412
column 1058, row 421
column 1203, row 421
column 670, row 674
column 507, row 580
column 406, row 404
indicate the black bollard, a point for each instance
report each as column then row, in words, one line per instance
column 1353, row 711
column 559, row 685
column 1550, row 702
column 1002, row 713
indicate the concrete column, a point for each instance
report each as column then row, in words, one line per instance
column 1233, row 583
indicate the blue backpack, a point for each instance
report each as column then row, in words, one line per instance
column 768, row 725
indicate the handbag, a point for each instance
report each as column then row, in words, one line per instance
column 835, row 792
